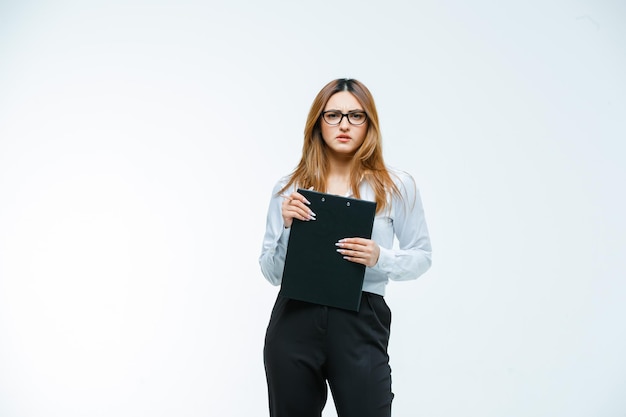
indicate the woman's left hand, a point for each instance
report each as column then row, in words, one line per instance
column 359, row 250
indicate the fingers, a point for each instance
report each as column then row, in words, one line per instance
column 359, row 250
column 296, row 196
column 295, row 206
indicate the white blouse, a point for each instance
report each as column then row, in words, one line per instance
column 403, row 218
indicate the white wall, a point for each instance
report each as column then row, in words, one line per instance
column 139, row 142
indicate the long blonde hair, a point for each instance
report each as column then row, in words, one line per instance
column 367, row 163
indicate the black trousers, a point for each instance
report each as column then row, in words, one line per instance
column 307, row 345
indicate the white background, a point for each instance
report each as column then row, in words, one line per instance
column 140, row 141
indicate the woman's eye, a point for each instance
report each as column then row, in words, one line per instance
column 332, row 116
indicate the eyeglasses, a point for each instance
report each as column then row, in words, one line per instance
column 335, row 117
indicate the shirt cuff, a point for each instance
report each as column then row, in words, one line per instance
column 385, row 260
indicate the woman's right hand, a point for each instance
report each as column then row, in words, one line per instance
column 295, row 206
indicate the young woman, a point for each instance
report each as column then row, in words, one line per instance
column 309, row 345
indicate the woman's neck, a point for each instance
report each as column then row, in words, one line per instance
column 338, row 179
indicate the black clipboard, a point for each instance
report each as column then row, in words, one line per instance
column 314, row 271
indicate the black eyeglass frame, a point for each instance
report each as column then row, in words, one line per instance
column 346, row 115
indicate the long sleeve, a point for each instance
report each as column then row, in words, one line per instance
column 272, row 259
column 405, row 220
column 413, row 256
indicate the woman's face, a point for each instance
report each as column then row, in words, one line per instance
column 343, row 139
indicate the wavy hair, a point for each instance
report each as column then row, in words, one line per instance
column 367, row 162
